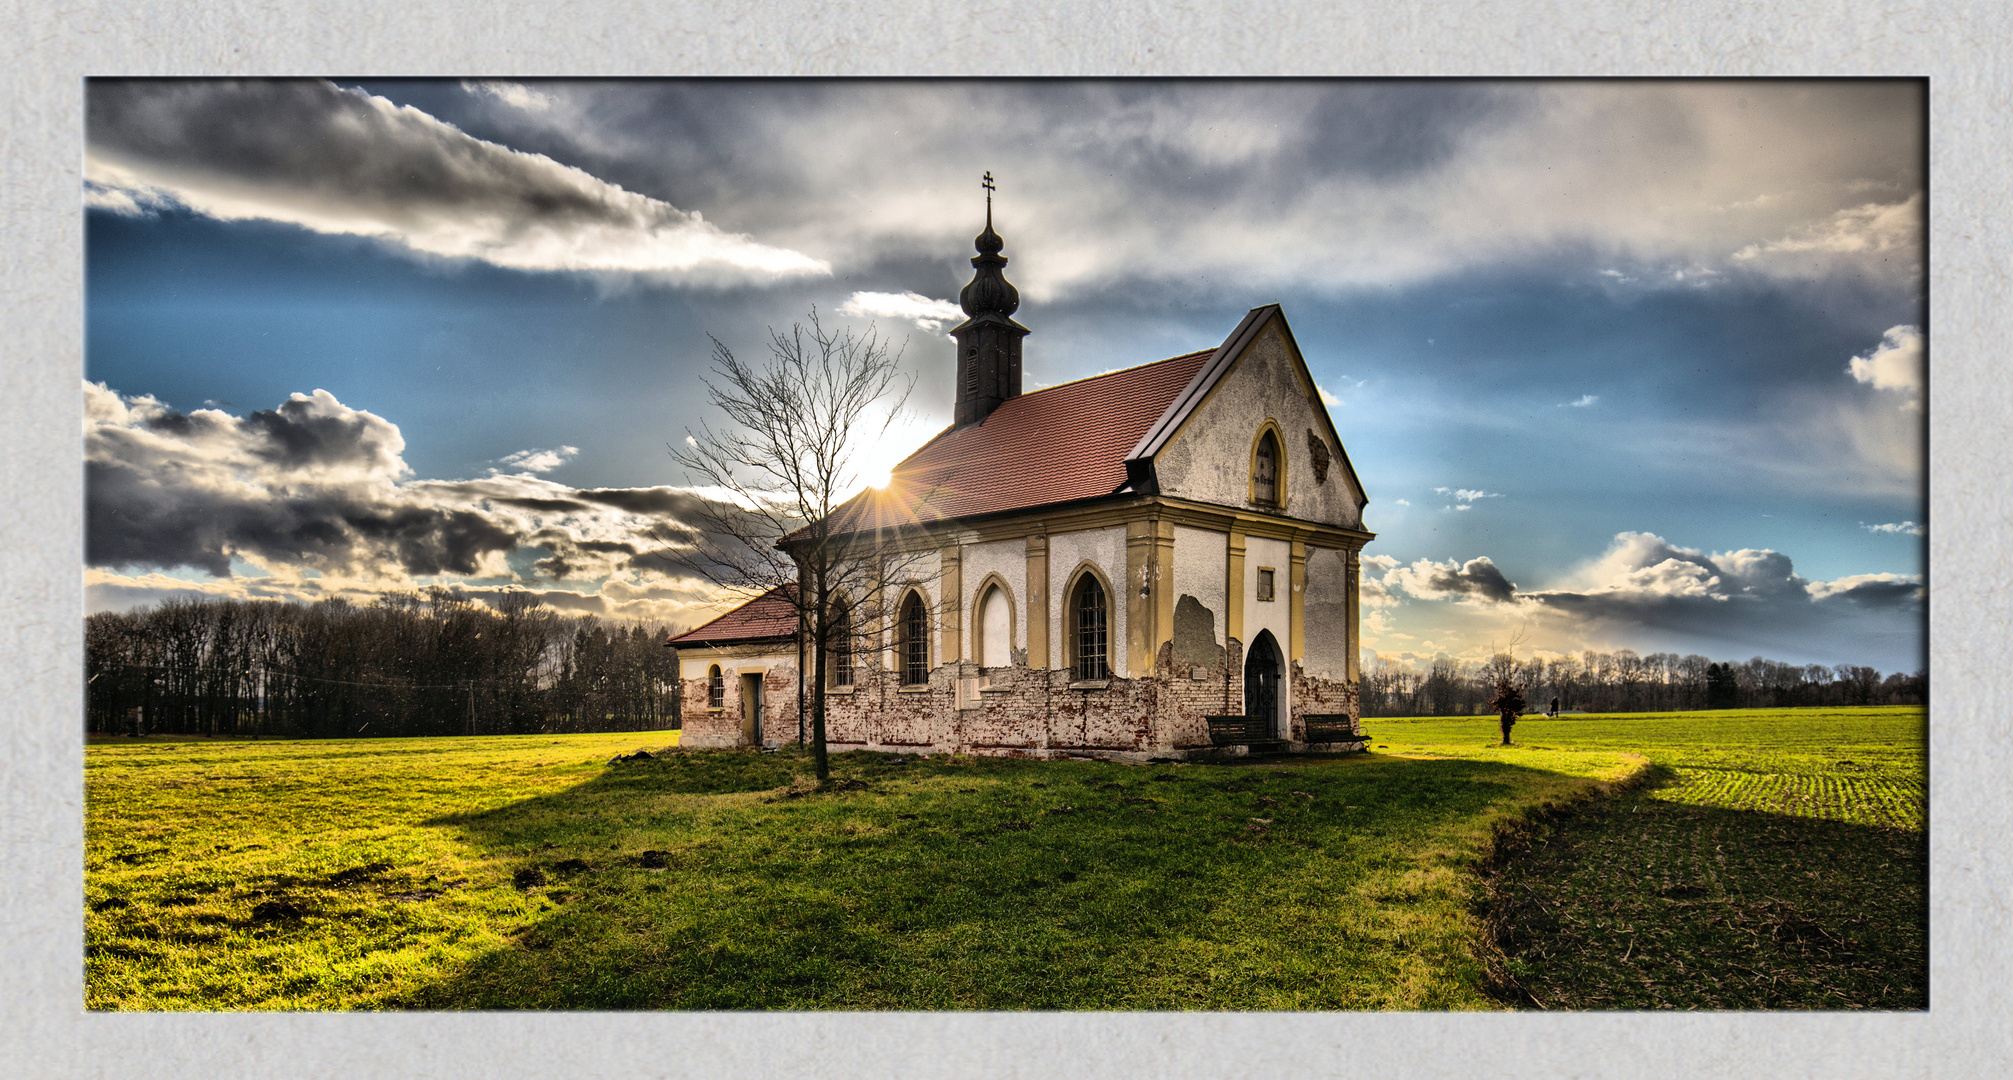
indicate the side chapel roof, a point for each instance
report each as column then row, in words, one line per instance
column 767, row 617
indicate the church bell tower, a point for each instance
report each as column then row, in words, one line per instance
column 989, row 340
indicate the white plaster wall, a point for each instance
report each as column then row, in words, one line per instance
column 1276, row 614
column 1209, row 459
column 1008, row 559
column 1327, row 614
column 1105, row 548
column 1201, row 562
column 693, row 664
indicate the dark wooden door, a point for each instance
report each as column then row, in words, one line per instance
column 1263, row 672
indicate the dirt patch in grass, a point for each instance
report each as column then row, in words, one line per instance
column 1638, row 902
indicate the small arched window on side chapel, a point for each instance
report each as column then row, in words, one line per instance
column 1265, row 471
column 716, row 688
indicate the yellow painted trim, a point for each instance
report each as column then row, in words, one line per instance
column 1139, row 540
column 1037, row 601
column 1233, row 587
column 951, row 580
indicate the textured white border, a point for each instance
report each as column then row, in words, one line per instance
column 49, row 48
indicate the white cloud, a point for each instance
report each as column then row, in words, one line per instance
column 516, row 95
column 1895, row 364
column 927, row 314
column 1326, row 397
column 1401, row 502
column 1584, row 401
column 1905, row 528
column 341, row 161
column 537, row 461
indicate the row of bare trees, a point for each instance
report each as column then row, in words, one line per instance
column 1624, row 681
column 427, row 663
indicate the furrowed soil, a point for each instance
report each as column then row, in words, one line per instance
column 503, row 873
column 1771, row 859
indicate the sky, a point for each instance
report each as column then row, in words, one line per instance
column 1628, row 364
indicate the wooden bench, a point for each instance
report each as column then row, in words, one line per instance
column 1331, row 727
column 1252, row 731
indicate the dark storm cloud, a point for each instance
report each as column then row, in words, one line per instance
column 1478, row 578
column 334, row 160
column 316, row 485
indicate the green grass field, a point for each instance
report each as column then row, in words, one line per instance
column 527, row 872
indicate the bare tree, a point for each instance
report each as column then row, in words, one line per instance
column 785, row 457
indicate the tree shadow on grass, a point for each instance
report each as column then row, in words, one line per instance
column 1639, row 902
column 716, row 881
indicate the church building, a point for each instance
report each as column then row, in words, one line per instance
column 1092, row 569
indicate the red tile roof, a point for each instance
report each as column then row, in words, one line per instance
column 1056, row 445
column 768, row 616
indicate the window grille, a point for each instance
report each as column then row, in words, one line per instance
column 915, row 642
column 716, row 688
column 1091, row 638
column 841, row 640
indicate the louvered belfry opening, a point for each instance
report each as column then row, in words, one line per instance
column 1092, row 639
column 915, row 642
column 1265, row 474
column 989, row 341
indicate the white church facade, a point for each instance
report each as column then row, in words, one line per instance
column 1094, row 568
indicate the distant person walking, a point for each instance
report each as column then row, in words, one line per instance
column 1555, row 707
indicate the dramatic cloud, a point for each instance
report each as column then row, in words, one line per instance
column 1646, row 592
column 1477, row 579
column 1896, row 364
column 341, row 161
column 1114, row 181
column 313, row 498
column 926, row 313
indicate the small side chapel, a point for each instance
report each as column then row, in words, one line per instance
column 1097, row 566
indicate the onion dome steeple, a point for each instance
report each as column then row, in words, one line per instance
column 989, row 342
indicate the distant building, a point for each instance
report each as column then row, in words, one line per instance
column 1099, row 565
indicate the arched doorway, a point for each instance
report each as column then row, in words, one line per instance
column 1264, row 671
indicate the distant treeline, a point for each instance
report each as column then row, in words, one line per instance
column 428, row 663
column 1625, row 682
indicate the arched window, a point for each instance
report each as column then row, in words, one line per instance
column 839, row 645
column 1265, row 471
column 915, row 641
column 995, row 629
column 716, row 688
column 1089, row 637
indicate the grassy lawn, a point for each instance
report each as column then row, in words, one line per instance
column 529, row 873
column 1772, row 859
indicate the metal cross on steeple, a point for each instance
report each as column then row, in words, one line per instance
column 987, row 184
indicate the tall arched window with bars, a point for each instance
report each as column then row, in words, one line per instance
column 915, row 625
column 839, row 646
column 1090, row 638
column 716, row 688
